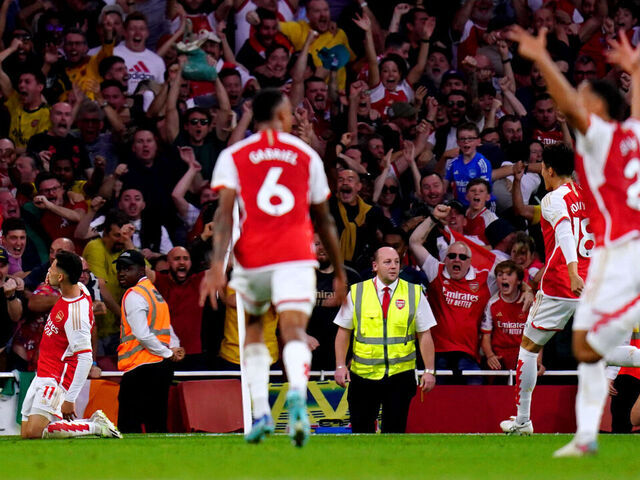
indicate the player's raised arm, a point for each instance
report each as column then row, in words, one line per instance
column 215, row 279
column 626, row 57
column 565, row 96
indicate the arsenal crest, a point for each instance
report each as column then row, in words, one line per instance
column 400, row 303
column 59, row 316
column 474, row 286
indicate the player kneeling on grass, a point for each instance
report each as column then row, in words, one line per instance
column 504, row 319
column 65, row 359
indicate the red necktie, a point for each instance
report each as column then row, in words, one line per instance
column 386, row 300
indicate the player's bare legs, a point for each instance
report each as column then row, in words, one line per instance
column 526, row 378
column 590, row 399
column 39, row 426
column 296, row 357
column 257, row 361
column 34, row 426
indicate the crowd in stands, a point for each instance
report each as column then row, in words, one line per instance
column 106, row 145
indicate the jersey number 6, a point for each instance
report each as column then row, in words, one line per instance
column 271, row 190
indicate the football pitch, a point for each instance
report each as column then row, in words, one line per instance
column 332, row 457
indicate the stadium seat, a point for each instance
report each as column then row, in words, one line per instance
column 211, row 405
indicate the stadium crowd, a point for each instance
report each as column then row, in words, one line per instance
column 107, row 145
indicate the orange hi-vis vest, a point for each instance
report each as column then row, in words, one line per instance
column 131, row 353
column 635, row 342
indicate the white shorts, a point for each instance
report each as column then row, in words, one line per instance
column 288, row 287
column 547, row 316
column 44, row 397
column 610, row 305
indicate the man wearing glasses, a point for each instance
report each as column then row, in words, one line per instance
column 458, row 294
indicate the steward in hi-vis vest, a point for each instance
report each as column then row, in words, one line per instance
column 384, row 315
column 146, row 349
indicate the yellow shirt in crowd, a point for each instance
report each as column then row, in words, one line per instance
column 87, row 76
column 26, row 123
column 298, row 32
column 229, row 346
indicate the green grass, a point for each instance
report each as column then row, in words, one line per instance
column 332, row 457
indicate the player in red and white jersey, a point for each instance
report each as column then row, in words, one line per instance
column 276, row 179
column 504, row 319
column 64, row 362
column 608, row 167
column 568, row 243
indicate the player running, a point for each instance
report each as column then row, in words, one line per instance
column 608, row 164
column 568, row 243
column 276, row 178
column 64, row 362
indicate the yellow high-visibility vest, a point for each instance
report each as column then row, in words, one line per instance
column 384, row 347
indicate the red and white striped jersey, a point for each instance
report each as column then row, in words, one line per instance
column 608, row 164
column 276, row 177
column 564, row 204
column 66, row 334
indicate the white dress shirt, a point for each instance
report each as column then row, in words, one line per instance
column 424, row 316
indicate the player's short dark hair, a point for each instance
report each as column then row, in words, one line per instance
column 509, row 266
column 265, row 104
column 560, row 157
column 106, row 64
column 479, row 181
column 11, row 224
column 468, row 127
column 610, row 95
column 70, row 264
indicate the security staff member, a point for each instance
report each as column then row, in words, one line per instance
column 384, row 314
column 144, row 353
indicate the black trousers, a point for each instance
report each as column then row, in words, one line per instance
column 628, row 388
column 393, row 393
column 143, row 398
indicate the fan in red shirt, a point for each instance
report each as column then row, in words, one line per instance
column 65, row 359
column 60, row 216
column 458, row 294
column 504, row 319
column 179, row 288
column 276, row 179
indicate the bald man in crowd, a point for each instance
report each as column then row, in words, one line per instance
column 180, row 289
